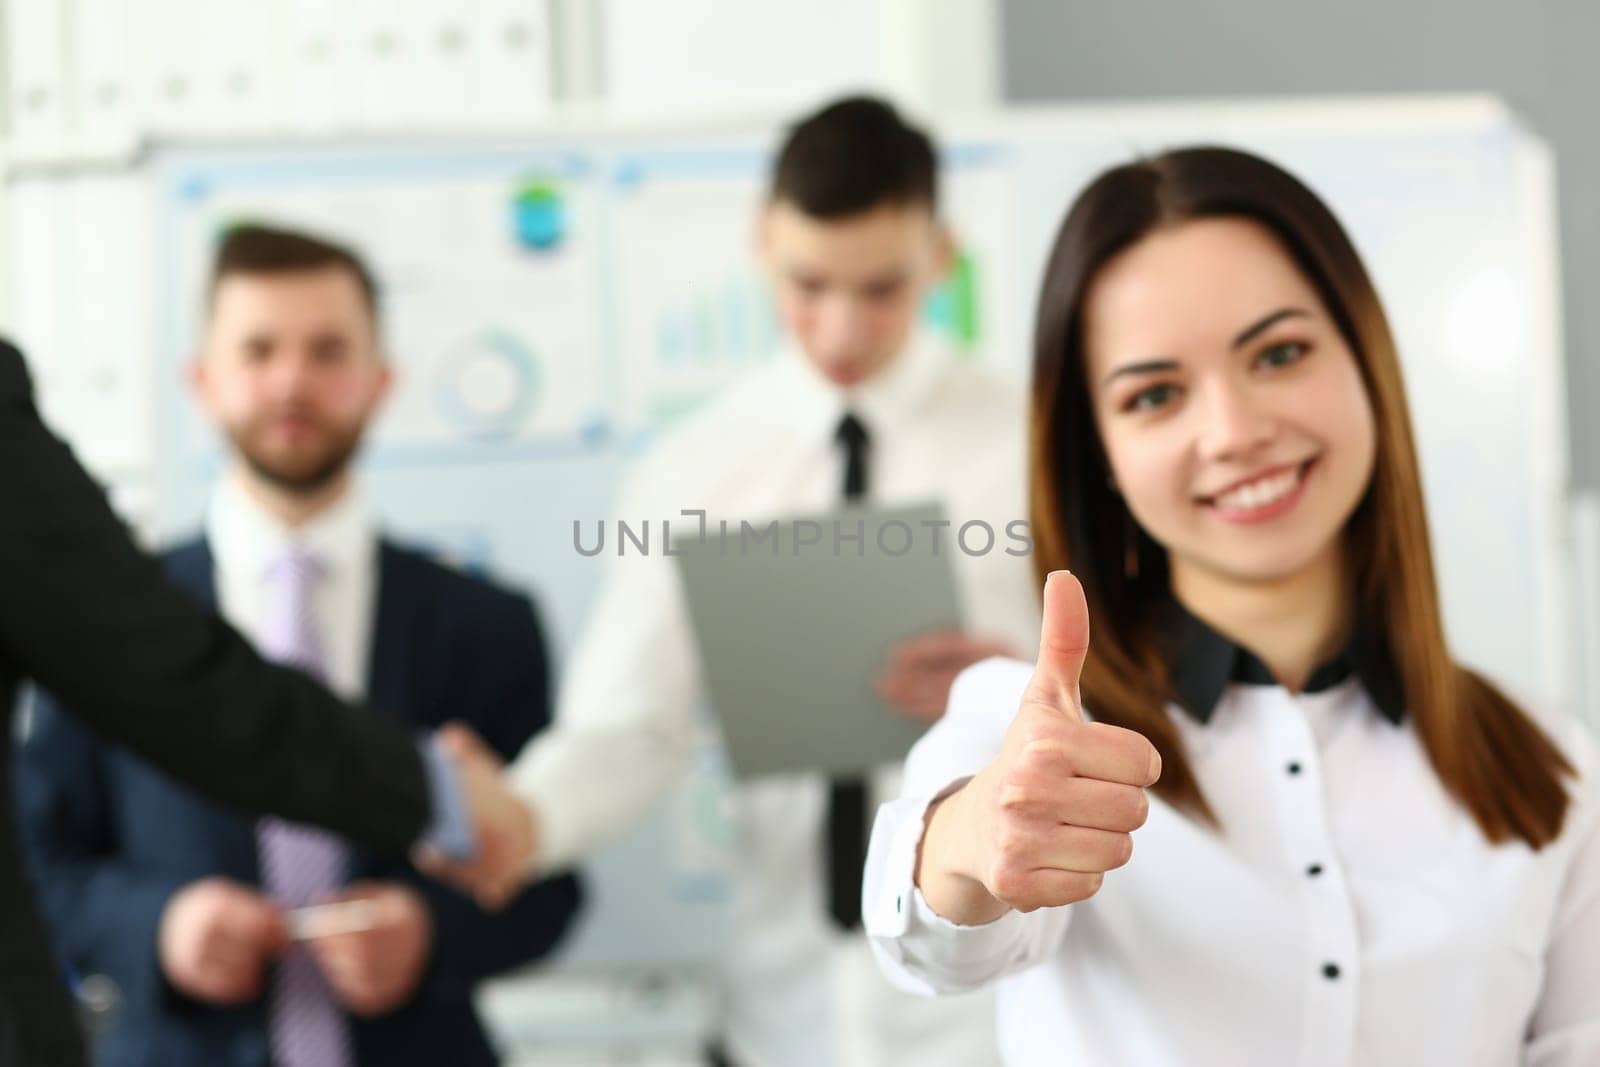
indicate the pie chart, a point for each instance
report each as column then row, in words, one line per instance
column 488, row 384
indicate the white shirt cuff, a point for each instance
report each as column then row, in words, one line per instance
column 560, row 836
column 920, row 949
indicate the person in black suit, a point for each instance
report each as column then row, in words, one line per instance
column 188, row 909
column 87, row 614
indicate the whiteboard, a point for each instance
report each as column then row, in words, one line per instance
column 538, row 352
column 541, row 353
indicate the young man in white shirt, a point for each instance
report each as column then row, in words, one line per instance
column 862, row 404
column 186, row 907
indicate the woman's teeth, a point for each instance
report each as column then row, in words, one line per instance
column 1261, row 492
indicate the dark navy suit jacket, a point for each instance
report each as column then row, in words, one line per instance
column 110, row 838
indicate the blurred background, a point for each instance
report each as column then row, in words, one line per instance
column 558, row 196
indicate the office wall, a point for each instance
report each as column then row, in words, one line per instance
column 89, row 88
column 1537, row 55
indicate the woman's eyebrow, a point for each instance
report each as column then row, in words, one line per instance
column 1267, row 321
column 1152, row 366
column 1148, row 366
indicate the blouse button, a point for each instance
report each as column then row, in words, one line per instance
column 1294, row 768
column 1330, row 971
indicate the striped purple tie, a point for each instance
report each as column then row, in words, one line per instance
column 299, row 864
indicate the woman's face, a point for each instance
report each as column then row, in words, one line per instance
column 1231, row 410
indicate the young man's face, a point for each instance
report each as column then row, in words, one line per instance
column 849, row 290
column 291, row 371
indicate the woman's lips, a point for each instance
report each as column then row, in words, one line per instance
column 1263, row 498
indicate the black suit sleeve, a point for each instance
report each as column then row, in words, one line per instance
column 94, row 620
column 503, row 693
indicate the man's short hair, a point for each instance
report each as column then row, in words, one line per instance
column 249, row 248
column 854, row 155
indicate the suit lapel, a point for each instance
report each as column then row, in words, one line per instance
column 391, row 680
column 192, row 568
column 392, row 675
column 393, row 672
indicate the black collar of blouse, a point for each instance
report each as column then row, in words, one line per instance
column 1205, row 662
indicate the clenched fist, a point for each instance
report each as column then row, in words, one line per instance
column 216, row 940
column 1040, row 825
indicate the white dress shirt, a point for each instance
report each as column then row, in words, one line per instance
column 630, row 713
column 1350, row 913
column 246, row 540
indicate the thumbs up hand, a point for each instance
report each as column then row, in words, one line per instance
column 1040, row 825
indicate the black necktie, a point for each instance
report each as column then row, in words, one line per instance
column 847, row 796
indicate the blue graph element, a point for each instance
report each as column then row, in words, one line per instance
column 728, row 326
column 497, row 353
column 539, row 216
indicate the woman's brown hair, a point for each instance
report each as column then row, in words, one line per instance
column 1487, row 752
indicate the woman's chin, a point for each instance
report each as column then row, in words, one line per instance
column 1278, row 566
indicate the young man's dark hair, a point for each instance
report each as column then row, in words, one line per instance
column 249, row 248
column 852, row 156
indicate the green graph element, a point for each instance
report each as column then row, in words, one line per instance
column 539, row 215
column 952, row 309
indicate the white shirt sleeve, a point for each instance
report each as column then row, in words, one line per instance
column 1566, row 1026
column 625, row 724
column 918, row 949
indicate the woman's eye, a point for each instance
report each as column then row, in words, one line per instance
column 1281, row 355
column 1152, row 399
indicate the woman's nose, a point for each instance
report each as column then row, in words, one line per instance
column 1236, row 426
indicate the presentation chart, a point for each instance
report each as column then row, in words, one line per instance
column 489, row 280
column 695, row 310
column 977, row 307
column 552, row 300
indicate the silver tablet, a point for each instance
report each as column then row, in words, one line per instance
column 795, row 618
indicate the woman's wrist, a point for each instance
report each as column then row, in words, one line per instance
column 946, row 874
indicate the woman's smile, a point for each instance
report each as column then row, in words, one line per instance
column 1263, row 497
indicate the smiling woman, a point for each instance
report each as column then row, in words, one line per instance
column 1246, row 450
column 1195, row 256
column 1352, row 849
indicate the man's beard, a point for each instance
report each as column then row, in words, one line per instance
column 310, row 473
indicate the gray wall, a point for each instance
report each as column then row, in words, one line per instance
column 1539, row 55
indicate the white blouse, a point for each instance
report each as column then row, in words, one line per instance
column 1349, row 912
